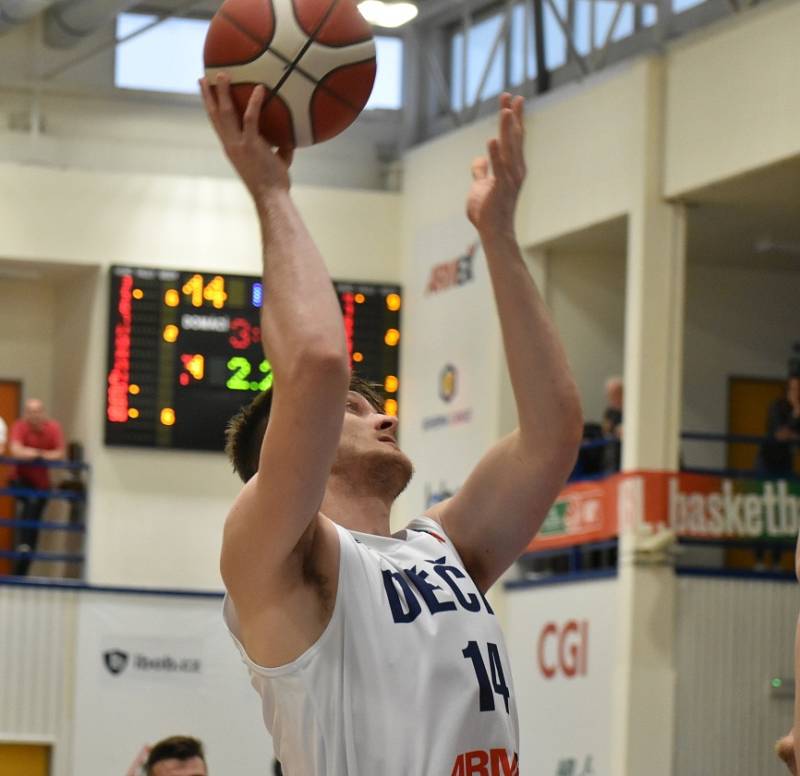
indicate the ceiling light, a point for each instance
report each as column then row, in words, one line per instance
column 391, row 14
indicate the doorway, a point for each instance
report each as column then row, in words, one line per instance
column 749, row 399
column 10, row 405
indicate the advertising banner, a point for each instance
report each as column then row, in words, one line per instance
column 450, row 363
column 561, row 647
column 148, row 667
column 695, row 506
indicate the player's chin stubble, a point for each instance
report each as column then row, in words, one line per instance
column 380, row 473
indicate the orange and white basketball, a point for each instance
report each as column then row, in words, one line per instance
column 315, row 57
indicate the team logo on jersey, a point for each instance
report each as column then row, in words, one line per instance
column 486, row 762
column 440, row 588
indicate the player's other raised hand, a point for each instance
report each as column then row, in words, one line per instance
column 498, row 176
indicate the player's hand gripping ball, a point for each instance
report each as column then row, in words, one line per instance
column 316, row 59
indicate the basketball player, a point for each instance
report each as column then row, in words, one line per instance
column 377, row 654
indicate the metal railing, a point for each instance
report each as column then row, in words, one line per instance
column 72, row 490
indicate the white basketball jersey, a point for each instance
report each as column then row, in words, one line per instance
column 409, row 678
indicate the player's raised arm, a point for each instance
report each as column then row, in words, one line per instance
column 503, row 502
column 271, row 526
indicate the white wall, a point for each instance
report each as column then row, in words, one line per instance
column 27, row 325
column 738, row 322
column 732, row 103
column 587, row 298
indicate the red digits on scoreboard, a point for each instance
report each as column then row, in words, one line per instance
column 241, row 335
column 244, row 334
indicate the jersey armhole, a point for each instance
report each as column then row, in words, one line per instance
column 231, row 619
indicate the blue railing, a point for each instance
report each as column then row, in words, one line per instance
column 72, row 490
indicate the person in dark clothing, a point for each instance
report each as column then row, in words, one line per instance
column 775, row 458
column 612, row 423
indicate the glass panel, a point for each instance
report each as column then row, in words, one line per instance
column 519, row 71
column 388, row 90
column 649, row 15
column 684, row 5
column 481, row 40
column 167, row 58
column 555, row 44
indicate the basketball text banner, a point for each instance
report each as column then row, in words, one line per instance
column 695, row 506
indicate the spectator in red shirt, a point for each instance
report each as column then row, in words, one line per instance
column 34, row 437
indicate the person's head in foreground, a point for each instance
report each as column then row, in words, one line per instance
column 368, row 460
column 784, row 748
column 176, row 756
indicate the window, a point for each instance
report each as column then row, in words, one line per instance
column 684, row 5
column 166, row 58
column 480, row 44
column 522, row 68
column 388, row 90
column 169, row 58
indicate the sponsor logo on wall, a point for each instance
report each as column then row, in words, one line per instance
column 117, row 662
column 452, row 274
column 434, row 496
column 563, row 649
column 447, row 389
column 570, row 766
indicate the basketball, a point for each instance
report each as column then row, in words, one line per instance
column 316, row 59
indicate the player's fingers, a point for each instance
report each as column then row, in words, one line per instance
column 493, row 147
column 505, row 100
column 507, row 139
column 287, row 154
column 228, row 117
column 252, row 114
column 209, row 101
column 480, row 168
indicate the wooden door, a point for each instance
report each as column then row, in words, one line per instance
column 748, row 404
column 10, row 402
column 24, row 759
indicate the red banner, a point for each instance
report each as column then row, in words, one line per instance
column 692, row 505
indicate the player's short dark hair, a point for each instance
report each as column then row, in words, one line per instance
column 246, row 428
column 174, row 748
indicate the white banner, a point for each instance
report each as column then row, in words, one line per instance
column 148, row 667
column 561, row 645
column 451, row 359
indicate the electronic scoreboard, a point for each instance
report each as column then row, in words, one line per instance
column 184, row 352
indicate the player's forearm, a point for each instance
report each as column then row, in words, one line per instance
column 301, row 315
column 546, row 396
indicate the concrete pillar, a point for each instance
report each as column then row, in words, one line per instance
column 644, row 704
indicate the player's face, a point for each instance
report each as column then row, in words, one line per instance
column 368, row 452
column 174, row 767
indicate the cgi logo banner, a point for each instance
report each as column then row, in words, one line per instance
column 564, row 649
column 451, row 274
column 447, row 390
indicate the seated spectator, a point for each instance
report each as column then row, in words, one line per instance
column 3, row 436
column 34, row 437
column 173, row 756
column 776, row 455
